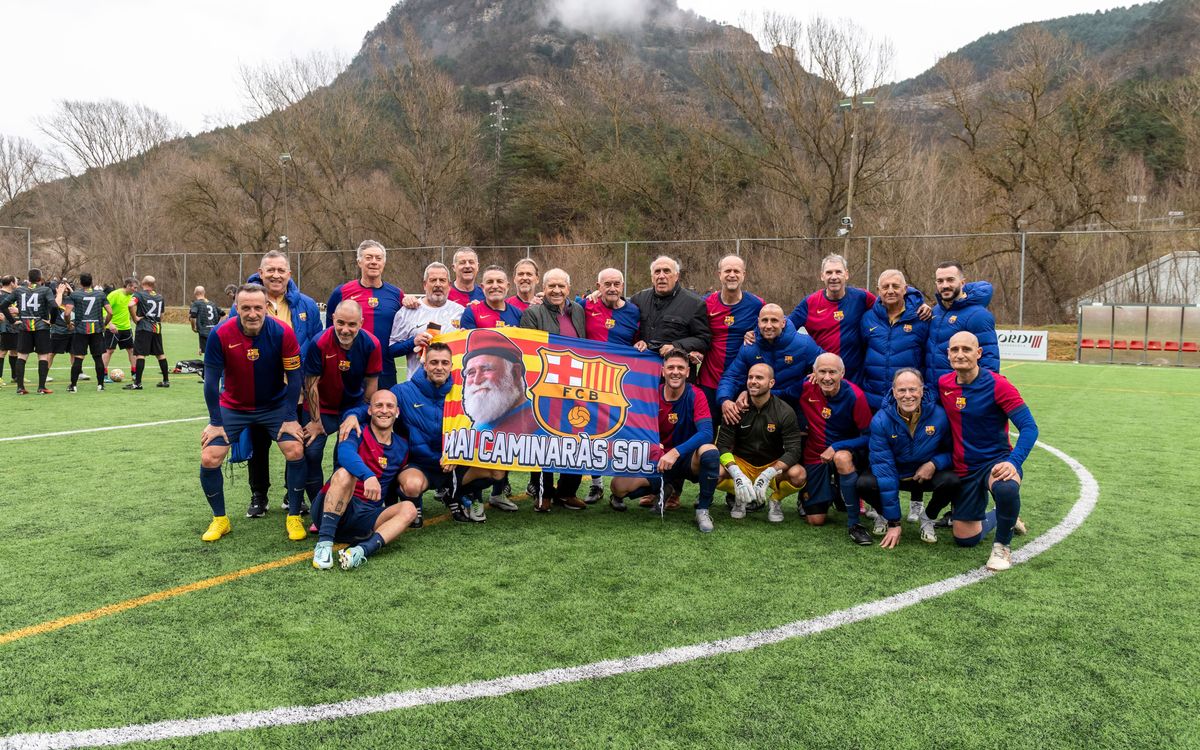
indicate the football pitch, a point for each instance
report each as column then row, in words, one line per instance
column 117, row 624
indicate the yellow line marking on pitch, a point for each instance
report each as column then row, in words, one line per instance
column 159, row 596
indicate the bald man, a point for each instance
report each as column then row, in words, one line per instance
column 980, row 404
column 341, row 370
column 351, row 507
column 146, row 308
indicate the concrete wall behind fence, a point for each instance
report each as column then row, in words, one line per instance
column 1037, row 277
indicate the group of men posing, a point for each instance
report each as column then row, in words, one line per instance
column 877, row 394
column 47, row 319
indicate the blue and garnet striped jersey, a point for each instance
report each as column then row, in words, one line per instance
column 365, row 457
column 979, row 413
column 379, row 306
column 255, row 368
column 517, row 302
column 684, row 424
column 835, row 325
column 841, row 421
column 342, row 372
column 465, row 298
column 602, row 323
column 729, row 324
column 479, row 315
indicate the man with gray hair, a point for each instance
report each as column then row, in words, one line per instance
column 379, row 300
column 414, row 328
column 671, row 317
column 464, row 290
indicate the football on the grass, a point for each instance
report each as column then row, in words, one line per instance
column 116, row 375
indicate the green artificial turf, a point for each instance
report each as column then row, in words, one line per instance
column 1091, row 644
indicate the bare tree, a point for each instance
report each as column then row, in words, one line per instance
column 22, row 168
column 98, row 134
column 789, row 98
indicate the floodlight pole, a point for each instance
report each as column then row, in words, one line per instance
column 28, row 245
column 853, row 104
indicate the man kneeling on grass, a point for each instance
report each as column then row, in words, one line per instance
column 350, row 507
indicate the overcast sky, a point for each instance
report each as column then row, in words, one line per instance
column 182, row 59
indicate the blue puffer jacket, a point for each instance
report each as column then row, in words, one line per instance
column 306, row 316
column 420, row 420
column 889, row 347
column 967, row 313
column 896, row 455
column 791, row 356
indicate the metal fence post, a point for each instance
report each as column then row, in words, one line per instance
column 443, row 252
column 184, row 296
column 868, row 259
column 737, row 247
column 135, row 257
column 626, row 266
column 1021, row 290
column 241, row 273
column 527, row 252
column 299, row 275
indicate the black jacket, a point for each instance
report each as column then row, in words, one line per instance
column 764, row 436
column 678, row 318
column 544, row 317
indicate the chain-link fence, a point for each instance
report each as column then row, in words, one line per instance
column 1038, row 277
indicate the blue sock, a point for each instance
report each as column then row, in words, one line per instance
column 1007, row 495
column 989, row 523
column 967, row 541
column 849, row 486
column 655, row 488
column 372, row 545
column 295, row 476
column 328, row 528
column 213, row 485
column 710, row 467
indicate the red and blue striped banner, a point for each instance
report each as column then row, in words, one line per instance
column 526, row 400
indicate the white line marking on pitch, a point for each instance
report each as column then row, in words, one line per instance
column 99, row 429
column 1089, row 493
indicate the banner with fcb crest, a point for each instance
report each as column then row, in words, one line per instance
column 527, row 400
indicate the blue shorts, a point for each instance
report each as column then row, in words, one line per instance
column 819, row 489
column 357, row 522
column 235, row 422
column 972, row 502
column 681, row 472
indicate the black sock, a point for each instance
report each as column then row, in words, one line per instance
column 162, row 365
column 18, row 369
column 76, row 370
column 137, row 372
column 43, row 371
column 12, row 364
column 100, row 372
column 1, row 368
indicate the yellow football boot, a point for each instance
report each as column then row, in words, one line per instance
column 295, row 528
column 217, row 529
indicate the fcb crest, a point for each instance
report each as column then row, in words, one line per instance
column 770, row 426
column 344, row 365
column 960, row 403
column 826, row 412
column 788, row 359
column 303, row 316
column 838, row 315
column 383, row 461
column 673, row 418
column 609, row 323
column 908, row 327
column 728, row 320
column 953, row 318
column 372, row 302
column 574, row 395
column 930, row 429
column 252, row 354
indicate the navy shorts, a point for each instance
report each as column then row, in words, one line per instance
column 357, row 523
column 819, row 489
column 438, row 479
column 972, row 502
column 235, row 422
column 681, row 472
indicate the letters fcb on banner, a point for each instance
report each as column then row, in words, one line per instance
column 527, row 400
column 1023, row 345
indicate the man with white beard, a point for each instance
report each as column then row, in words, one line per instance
column 493, row 374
